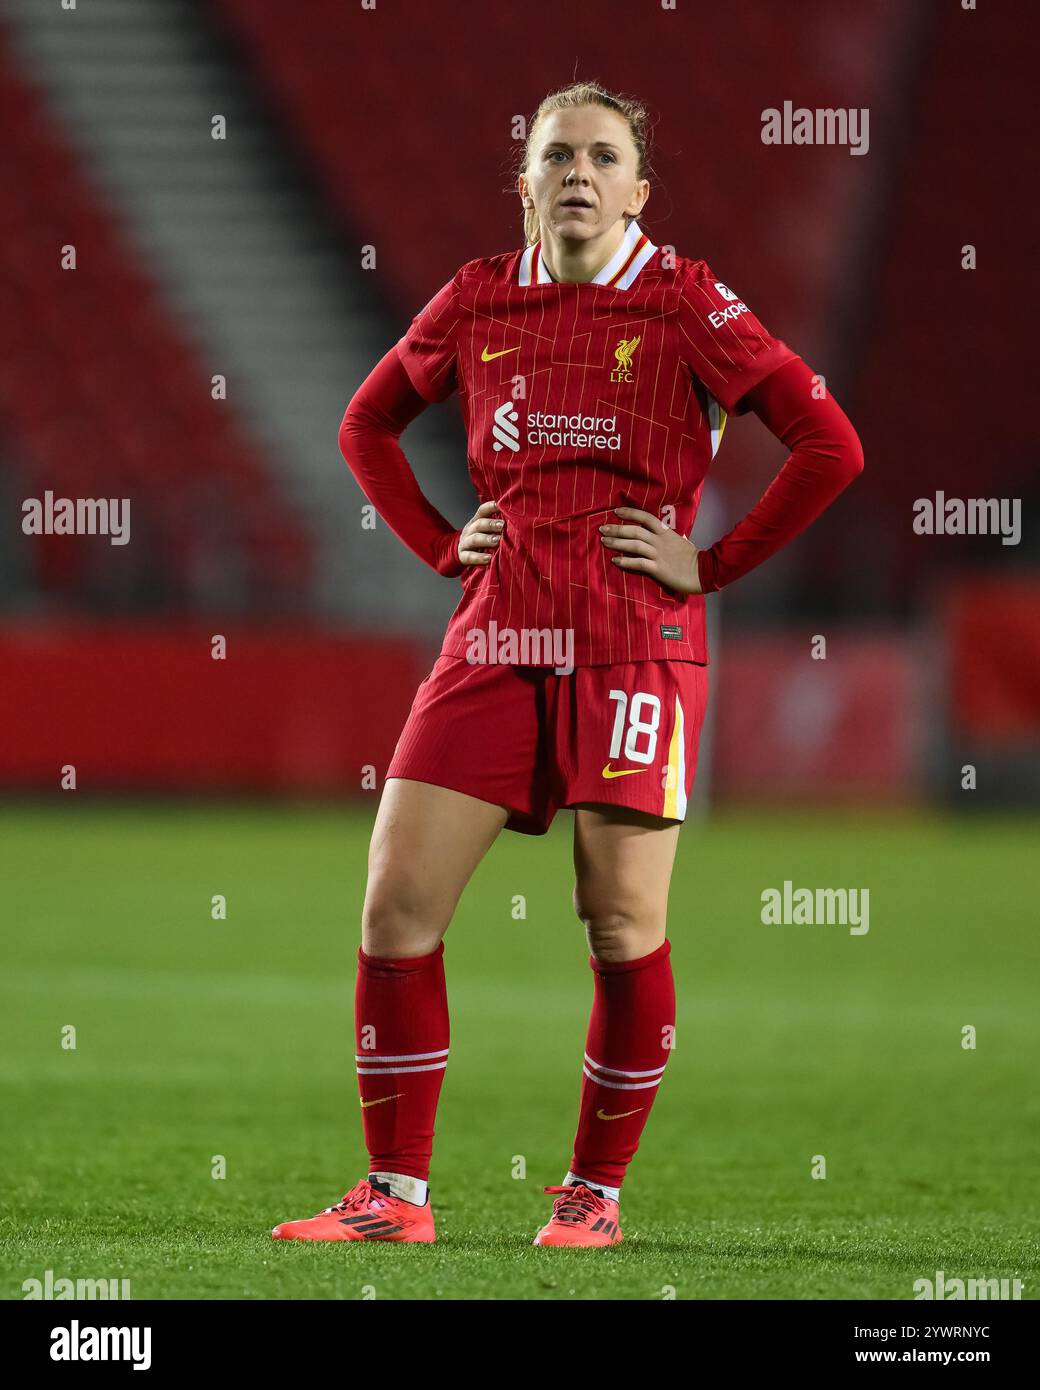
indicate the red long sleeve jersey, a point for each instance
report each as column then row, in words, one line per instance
column 576, row 399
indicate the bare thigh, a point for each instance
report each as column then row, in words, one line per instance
column 623, row 867
column 425, row 845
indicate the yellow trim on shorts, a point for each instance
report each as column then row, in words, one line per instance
column 671, row 788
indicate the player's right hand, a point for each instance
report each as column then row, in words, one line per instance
column 480, row 535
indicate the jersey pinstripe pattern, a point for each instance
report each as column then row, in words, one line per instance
column 576, row 399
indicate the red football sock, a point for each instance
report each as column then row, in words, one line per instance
column 401, row 1030
column 629, row 1040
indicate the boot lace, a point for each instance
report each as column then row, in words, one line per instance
column 356, row 1199
column 576, row 1205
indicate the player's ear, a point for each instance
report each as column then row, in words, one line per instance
column 639, row 198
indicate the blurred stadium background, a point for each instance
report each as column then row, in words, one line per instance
column 228, row 297
column 242, row 267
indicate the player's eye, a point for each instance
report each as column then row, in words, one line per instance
column 557, row 155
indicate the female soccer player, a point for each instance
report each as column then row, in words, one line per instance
column 596, row 373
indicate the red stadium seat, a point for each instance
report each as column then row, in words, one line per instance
column 101, row 394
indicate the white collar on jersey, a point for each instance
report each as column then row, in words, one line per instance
column 619, row 273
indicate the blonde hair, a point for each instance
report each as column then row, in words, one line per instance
column 587, row 94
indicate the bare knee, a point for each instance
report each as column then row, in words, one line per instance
column 399, row 920
column 622, row 930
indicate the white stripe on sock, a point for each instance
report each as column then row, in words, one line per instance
column 613, row 1071
column 396, row 1071
column 622, row 1085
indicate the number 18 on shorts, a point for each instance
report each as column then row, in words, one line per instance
column 534, row 741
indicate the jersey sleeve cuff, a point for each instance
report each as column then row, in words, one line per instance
column 447, row 557
column 707, row 571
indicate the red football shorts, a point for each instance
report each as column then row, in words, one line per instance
column 532, row 741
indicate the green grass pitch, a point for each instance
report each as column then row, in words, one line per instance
column 198, row 1038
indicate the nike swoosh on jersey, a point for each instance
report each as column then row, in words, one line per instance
column 608, row 771
column 486, row 356
column 365, row 1104
column 602, row 1115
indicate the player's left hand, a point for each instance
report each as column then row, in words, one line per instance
column 645, row 544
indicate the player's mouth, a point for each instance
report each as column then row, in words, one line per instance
column 576, row 203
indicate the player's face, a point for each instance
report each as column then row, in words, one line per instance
column 582, row 173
